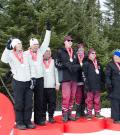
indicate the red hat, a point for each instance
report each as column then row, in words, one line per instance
column 67, row 38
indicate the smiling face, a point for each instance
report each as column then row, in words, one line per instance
column 92, row 55
column 68, row 43
column 34, row 44
column 18, row 47
column 47, row 54
column 34, row 47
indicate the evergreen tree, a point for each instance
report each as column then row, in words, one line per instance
column 113, row 21
column 80, row 18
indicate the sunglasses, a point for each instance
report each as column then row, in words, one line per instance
column 93, row 53
column 70, row 40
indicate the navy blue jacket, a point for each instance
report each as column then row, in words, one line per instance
column 67, row 70
column 113, row 79
column 94, row 81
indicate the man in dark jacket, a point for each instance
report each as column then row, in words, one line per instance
column 113, row 85
column 67, row 65
column 93, row 83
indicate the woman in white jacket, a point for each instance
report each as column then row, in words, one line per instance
column 51, row 83
column 18, row 62
column 35, row 55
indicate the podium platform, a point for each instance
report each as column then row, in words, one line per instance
column 49, row 129
column 82, row 125
column 112, row 126
column 7, row 115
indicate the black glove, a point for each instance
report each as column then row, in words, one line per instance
column 9, row 46
column 48, row 25
column 33, row 83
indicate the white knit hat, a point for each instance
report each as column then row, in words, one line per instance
column 34, row 41
column 15, row 42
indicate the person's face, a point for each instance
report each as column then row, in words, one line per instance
column 47, row 54
column 92, row 55
column 68, row 43
column 35, row 47
column 80, row 51
column 18, row 47
column 116, row 59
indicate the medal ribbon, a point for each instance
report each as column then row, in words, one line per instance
column 70, row 52
column 117, row 64
column 34, row 55
column 81, row 57
column 95, row 64
column 47, row 63
column 19, row 56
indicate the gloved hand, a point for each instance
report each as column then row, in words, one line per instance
column 9, row 46
column 33, row 83
column 48, row 25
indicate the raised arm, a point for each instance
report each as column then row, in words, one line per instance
column 46, row 41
